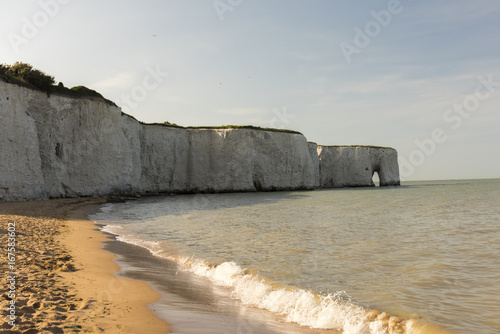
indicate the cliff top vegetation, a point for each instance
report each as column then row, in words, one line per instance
column 221, row 127
column 23, row 74
column 368, row 146
column 244, row 127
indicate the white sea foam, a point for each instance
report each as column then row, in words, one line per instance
column 306, row 308
column 112, row 229
column 296, row 305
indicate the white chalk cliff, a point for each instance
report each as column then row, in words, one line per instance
column 60, row 146
column 354, row 166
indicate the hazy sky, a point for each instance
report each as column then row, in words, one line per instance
column 421, row 76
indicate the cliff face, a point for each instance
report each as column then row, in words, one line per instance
column 164, row 159
column 247, row 160
column 20, row 163
column 313, row 152
column 354, row 166
column 59, row 146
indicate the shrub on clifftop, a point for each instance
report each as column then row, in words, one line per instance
column 84, row 91
column 26, row 72
column 23, row 74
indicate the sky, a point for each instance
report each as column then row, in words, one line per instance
column 420, row 76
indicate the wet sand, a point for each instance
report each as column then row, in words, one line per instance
column 63, row 280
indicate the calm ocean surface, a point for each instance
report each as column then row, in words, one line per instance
column 427, row 251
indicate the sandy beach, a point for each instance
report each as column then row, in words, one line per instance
column 60, row 280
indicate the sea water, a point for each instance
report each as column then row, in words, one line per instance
column 424, row 252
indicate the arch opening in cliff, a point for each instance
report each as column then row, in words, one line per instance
column 376, row 178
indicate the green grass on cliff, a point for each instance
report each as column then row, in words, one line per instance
column 222, row 127
column 164, row 124
column 369, row 146
column 244, row 127
column 79, row 91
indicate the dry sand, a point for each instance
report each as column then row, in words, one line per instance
column 64, row 281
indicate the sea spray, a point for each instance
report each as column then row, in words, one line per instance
column 304, row 307
column 333, row 311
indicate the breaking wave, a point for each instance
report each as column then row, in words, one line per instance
column 307, row 308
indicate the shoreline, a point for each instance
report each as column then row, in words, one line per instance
column 66, row 281
column 193, row 304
